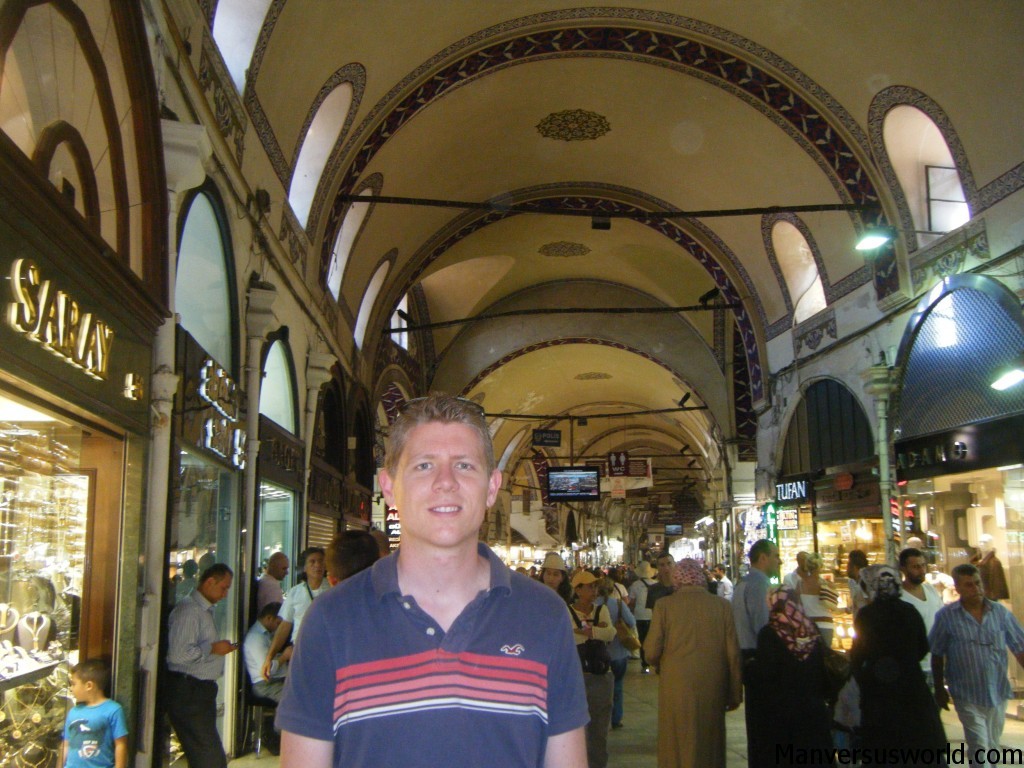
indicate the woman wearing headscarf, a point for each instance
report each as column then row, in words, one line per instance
column 692, row 645
column 897, row 708
column 791, row 668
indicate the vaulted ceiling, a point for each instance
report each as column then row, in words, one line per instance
column 625, row 109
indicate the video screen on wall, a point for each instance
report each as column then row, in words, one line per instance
column 574, row 484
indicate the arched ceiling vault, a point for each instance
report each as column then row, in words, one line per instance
column 626, row 107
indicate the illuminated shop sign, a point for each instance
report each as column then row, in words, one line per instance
column 221, row 433
column 791, row 491
column 50, row 317
column 968, row 448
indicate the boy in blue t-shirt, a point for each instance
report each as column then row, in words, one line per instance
column 95, row 734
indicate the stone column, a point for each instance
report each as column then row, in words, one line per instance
column 879, row 382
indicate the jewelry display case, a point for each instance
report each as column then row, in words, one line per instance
column 45, row 509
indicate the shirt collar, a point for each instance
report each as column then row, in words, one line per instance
column 384, row 573
column 205, row 604
column 756, row 574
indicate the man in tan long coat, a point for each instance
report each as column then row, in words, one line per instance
column 692, row 644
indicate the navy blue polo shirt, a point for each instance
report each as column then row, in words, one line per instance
column 376, row 675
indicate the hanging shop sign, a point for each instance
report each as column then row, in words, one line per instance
column 393, row 527
column 280, row 458
column 618, row 464
column 547, row 438
column 209, row 404
column 965, row 449
column 791, row 492
column 326, row 489
column 847, row 494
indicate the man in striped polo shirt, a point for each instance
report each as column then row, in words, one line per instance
column 438, row 654
column 969, row 642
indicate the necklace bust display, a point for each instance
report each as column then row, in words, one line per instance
column 34, row 630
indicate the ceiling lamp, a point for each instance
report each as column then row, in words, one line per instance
column 1011, row 375
column 875, row 237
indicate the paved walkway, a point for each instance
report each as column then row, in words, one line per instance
column 635, row 745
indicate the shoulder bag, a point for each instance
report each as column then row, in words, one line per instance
column 594, row 656
column 627, row 635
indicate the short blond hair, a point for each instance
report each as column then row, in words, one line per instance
column 438, row 408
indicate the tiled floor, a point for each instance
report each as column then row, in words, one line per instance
column 635, row 745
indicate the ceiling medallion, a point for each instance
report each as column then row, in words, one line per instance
column 573, row 125
column 592, row 376
column 563, row 249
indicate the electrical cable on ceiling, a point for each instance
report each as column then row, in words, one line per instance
column 563, row 311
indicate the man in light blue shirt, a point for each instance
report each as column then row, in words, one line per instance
column 750, row 614
column 195, row 659
column 255, row 648
column 969, row 643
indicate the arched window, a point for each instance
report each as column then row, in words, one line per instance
column 204, row 288
column 236, row 28
column 926, row 171
column 369, row 299
column 796, row 260
column 277, row 395
column 400, row 319
column 343, row 244
column 317, row 144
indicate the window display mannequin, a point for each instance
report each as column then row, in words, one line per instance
column 993, row 577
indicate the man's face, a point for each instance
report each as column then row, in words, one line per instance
column 770, row 562
column 277, row 565
column 441, row 486
column 214, row 589
column 665, row 564
column 587, row 592
column 915, row 570
column 314, row 566
column 970, row 590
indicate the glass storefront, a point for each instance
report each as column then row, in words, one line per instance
column 50, row 472
column 796, row 534
column 836, row 538
column 276, row 530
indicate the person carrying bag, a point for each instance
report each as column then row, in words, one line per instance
column 593, row 632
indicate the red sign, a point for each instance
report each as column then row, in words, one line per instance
column 844, row 482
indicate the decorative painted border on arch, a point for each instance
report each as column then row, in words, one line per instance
column 804, row 121
column 898, row 96
column 355, row 75
column 473, row 221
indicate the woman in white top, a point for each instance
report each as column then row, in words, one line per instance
column 297, row 601
column 818, row 597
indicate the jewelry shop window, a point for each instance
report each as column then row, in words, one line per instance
column 53, row 477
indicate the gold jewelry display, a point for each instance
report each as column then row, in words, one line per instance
column 9, row 617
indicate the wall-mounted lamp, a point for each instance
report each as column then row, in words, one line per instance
column 877, row 236
column 1011, row 375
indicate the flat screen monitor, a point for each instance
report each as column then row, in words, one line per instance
column 574, row 484
column 673, row 530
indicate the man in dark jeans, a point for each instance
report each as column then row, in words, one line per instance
column 638, row 594
column 195, row 659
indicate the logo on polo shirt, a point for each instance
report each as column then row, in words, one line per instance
column 513, row 650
